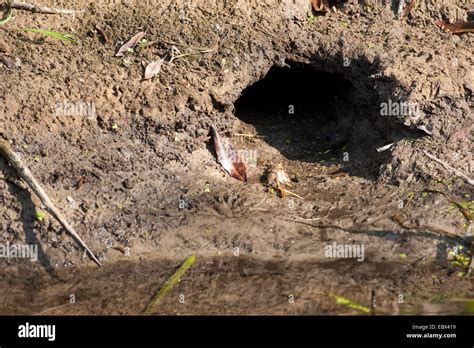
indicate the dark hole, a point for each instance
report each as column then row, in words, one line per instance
column 299, row 86
column 316, row 116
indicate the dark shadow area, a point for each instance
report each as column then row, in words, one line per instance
column 339, row 4
column 27, row 216
column 130, row 285
column 317, row 116
column 470, row 15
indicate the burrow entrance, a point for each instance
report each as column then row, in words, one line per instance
column 308, row 115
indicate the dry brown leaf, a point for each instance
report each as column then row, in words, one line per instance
column 102, row 33
column 277, row 179
column 130, row 44
column 456, row 28
column 277, row 176
column 153, row 69
column 228, row 157
column 320, row 5
column 10, row 63
column 282, row 177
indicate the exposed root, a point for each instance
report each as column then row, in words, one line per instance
column 19, row 5
column 450, row 169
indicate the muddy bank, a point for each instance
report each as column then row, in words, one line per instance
column 230, row 285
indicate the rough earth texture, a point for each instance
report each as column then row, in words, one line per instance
column 138, row 177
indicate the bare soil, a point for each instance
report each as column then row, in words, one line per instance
column 140, row 181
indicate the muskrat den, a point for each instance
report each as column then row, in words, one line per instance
column 301, row 115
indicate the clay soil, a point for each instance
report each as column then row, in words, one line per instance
column 138, row 178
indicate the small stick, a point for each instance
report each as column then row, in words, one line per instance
column 396, row 219
column 456, row 28
column 173, row 43
column 26, row 175
column 401, row 222
column 373, row 301
column 18, row 5
column 409, row 8
column 451, row 169
column 173, row 57
column 103, row 34
column 285, row 191
column 175, row 278
column 249, row 135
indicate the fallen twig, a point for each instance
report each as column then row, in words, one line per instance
column 14, row 182
column 465, row 212
column 174, row 43
column 285, row 191
column 248, row 135
column 396, row 219
column 409, row 8
column 449, row 168
column 156, row 299
column 175, row 50
column 28, row 177
column 373, row 301
column 401, row 222
column 456, row 28
column 102, row 33
column 19, row 5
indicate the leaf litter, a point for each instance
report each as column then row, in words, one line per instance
column 228, row 157
column 277, row 179
column 320, row 5
column 10, row 63
column 130, row 44
column 153, row 69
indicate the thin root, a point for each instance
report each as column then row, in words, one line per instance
column 18, row 5
column 284, row 191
